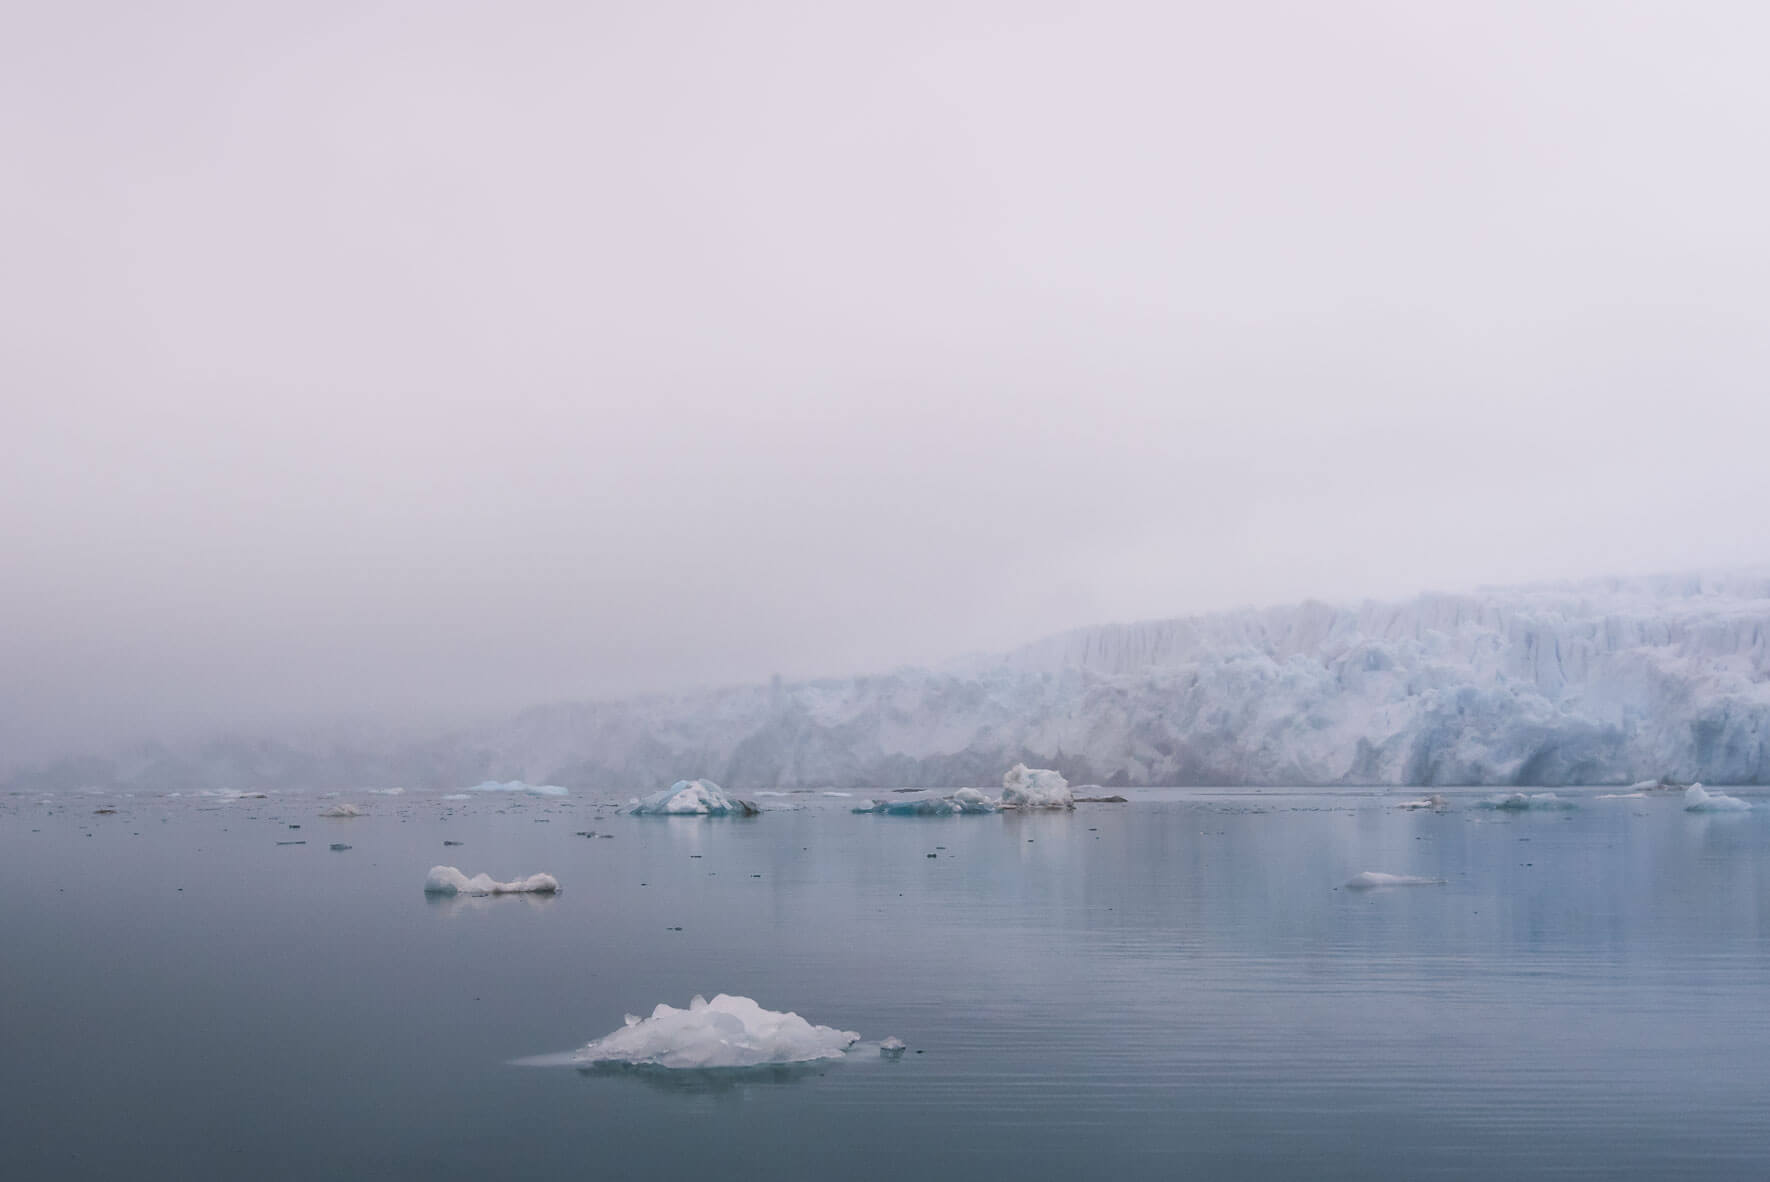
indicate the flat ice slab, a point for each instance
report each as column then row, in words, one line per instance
column 1371, row 879
column 519, row 786
column 1518, row 802
column 446, row 880
column 726, row 1032
column 965, row 800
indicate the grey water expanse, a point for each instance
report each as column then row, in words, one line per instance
column 1174, row 987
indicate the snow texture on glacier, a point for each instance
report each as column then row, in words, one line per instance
column 446, row 880
column 727, row 1032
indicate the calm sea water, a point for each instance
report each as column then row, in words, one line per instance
column 1175, row 987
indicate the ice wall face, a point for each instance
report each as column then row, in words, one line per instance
column 1606, row 682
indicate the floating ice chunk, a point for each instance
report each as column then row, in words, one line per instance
column 519, row 786
column 1517, row 802
column 1434, row 801
column 343, row 810
column 339, row 847
column 726, row 1032
column 1698, row 799
column 891, row 1048
column 1371, row 879
column 766, row 792
column 446, row 880
column 964, row 801
column 692, row 798
column 1035, row 788
column 844, row 795
column 1640, row 786
column 459, row 796
column 1620, row 796
column 387, row 791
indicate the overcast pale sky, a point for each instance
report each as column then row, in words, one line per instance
column 398, row 358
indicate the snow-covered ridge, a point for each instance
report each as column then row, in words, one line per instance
column 1602, row 682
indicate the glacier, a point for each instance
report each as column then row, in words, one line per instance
column 1601, row 682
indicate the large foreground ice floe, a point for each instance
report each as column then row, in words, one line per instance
column 446, row 880
column 691, row 798
column 726, row 1032
column 1035, row 788
column 1698, row 799
column 1371, row 879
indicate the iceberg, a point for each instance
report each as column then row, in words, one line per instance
column 968, row 801
column 519, row 786
column 342, row 810
column 1698, row 799
column 1371, row 879
column 1035, row 788
column 692, row 798
column 1518, row 802
column 727, row 1032
column 446, row 880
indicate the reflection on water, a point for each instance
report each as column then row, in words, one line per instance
column 1180, row 985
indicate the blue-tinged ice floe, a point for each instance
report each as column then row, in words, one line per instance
column 1035, row 788
column 519, row 786
column 1371, row 879
column 1698, row 799
column 727, row 1032
column 691, row 798
column 1518, row 802
column 962, row 801
column 446, row 880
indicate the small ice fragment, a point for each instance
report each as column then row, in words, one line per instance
column 727, row 1032
column 343, row 810
column 446, row 880
column 1434, row 801
column 339, row 847
column 1370, row 879
column 891, row 1048
column 1035, row 788
column 1698, row 799
column 388, row 791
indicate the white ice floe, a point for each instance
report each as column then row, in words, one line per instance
column 519, row 786
column 459, row 796
column 723, row 1033
column 1620, row 796
column 446, row 880
column 690, row 798
column 1518, row 802
column 964, row 800
column 1698, row 799
column 1035, row 788
column 1371, row 879
column 1435, row 801
column 342, row 810
column 387, row 791
column 844, row 795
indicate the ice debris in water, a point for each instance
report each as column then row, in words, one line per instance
column 519, row 786
column 1434, row 801
column 1698, row 799
column 1517, row 802
column 343, row 810
column 1371, row 879
column 965, row 800
column 692, row 798
column 725, row 1032
column 891, row 1048
column 1035, row 788
column 446, row 880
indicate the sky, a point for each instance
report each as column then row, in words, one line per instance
column 411, row 360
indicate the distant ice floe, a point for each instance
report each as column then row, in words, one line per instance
column 1698, row 799
column 1371, row 879
column 1434, row 801
column 342, row 810
column 1518, row 802
column 446, row 880
column 387, row 791
column 1035, row 788
column 519, row 786
column 968, row 801
column 691, row 798
column 459, row 796
column 1620, row 796
column 727, row 1032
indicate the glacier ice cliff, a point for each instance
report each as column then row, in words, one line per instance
column 1599, row 682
